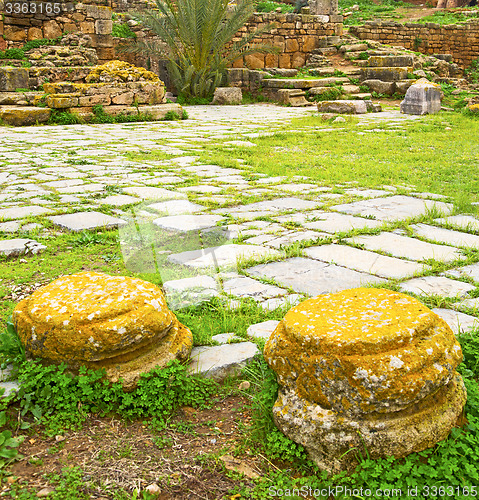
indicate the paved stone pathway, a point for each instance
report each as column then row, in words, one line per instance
column 83, row 177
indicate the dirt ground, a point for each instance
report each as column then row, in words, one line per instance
column 188, row 460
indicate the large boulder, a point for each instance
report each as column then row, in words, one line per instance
column 117, row 323
column 423, row 97
column 365, row 369
column 227, row 95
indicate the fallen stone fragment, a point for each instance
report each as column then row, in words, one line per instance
column 220, row 361
column 19, row 246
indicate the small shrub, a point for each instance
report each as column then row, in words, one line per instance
column 63, row 118
column 13, row 53
column 122, row 31
column 472, row 72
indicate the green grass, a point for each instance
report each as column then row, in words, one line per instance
column 447, row 17
column 414, row 155
column 368, row 10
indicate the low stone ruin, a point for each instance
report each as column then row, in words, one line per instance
column 117, row 86
column 365, row 371
column 115, row 323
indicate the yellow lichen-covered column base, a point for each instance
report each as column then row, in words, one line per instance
column 336, row 443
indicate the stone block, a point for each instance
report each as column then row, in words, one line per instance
column 61, row 102
column 125, row 98
column 403, row 85
column 87, row 27
column 34, row 34
column 342, row 107
column 298, row 60
column 97, row 12
column 92, row 100
column 390, row 61
column 291, row 45
column 103, row 27
column 19, row 246
column 12, row 78
column 384, row 74
column 380, row 87
column 293, row 97
column 422, row 98
column 227, row 95
column 254, row 61
column 51, row 29
column 14, row 34
column 21, row 116
column 158, row 111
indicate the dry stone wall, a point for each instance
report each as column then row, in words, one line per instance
column 294, row 35
column 55, row 19
column 459, row 40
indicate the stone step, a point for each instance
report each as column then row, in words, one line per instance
column 290, row 83
column 386, row 74
column 351, row 89
column 20, row 116
column 390, row 61
column 361, row 96
column 342, row 107
column 326, row 51
column 293, row 97
column 355, row 47
column 19, row 98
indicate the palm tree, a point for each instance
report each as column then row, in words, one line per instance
column 199, row 36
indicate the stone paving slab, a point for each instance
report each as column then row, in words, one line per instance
column 19, row 246
column 466, row 222
column 192, row 291
column 118, row 200
column 333, row 222
column 392, row 208
column 271, row 206
column 408, row 248
column 437, row 285
column 447, row 236
column 365, row 261
column 176, row 207
column 153, row 193
column 82, row 221
column 471, row 271
column 282, row 302
column 262, row 330
column 185, row 223
column 225, row 255
column 458, row 322
column 312, row 277
column 245, row 287
column 468, row 304
column 22, row 212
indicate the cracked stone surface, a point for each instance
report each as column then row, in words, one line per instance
column 437, row 285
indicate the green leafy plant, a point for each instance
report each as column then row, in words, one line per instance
column 8, row 444
column 11, row 348
column 472, row 72
column 122, row 31
column 199, row 36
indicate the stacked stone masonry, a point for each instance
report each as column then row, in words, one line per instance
column 460, row 40
column 294, row 36
column 93, row 19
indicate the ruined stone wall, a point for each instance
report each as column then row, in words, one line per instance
column 295, row 36
column 52, row 19
column 459, row 40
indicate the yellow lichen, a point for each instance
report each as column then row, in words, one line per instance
column 120, row 71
